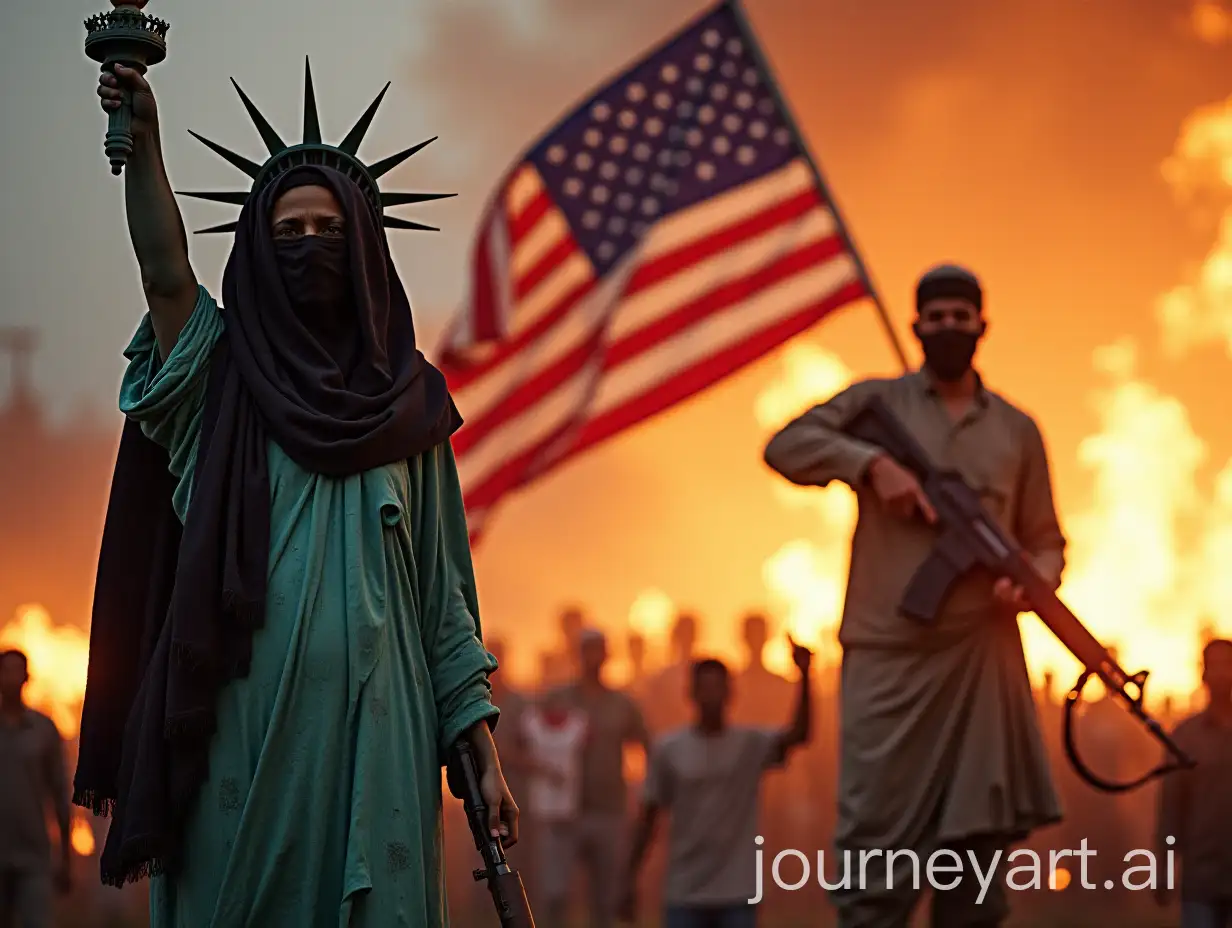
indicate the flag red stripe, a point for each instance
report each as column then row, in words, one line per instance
column 483, row 287
column 708, row 372
column 514, row 473
column 460, row 374
column 521, row 224
column 557, row 255
column 673, row 262
column 728, row 294
column 528, row 393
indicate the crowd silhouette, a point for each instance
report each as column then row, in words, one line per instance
column 798, row 802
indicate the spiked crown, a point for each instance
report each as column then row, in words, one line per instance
column 342, row 157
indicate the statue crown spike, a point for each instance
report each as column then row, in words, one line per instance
column 343, row 157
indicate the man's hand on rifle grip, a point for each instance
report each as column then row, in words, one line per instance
column 898, row 490
column 503, row 812
column 1010, row 595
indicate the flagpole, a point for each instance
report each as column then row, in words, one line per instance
column 764, row 62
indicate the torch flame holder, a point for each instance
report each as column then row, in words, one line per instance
column 136, row 40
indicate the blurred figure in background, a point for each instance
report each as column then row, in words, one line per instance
column 32, row 778
column 560, row 667
column 1195, row 806
column 636, row 644
column 667, row 692
column 513, row 705
column 553, row 734
column 596, row 840
column 761, row 697
column 760, row 693
column 707, row 777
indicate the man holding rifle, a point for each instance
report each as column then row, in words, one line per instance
column 939, row 742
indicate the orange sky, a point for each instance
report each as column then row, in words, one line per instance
column 1023, row 138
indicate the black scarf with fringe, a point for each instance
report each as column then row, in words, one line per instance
column 175, row 608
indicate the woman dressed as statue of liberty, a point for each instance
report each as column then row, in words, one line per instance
column 286, row 637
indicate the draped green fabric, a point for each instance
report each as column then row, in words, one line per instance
column 323, row 801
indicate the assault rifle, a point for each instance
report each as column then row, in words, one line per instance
column 970, row 539
column 504, row 883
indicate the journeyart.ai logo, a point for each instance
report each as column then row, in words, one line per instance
column 944, row 870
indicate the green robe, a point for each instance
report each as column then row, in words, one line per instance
column 322, row 808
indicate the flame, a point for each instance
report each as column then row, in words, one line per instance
column 806, row 578
column 1147, row 556
column 82, row 834
column 58, row 659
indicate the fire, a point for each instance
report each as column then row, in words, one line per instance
column 806, row 578
column 82, row 835
column 1148, row 554
column 58, row 659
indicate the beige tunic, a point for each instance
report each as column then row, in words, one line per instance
column 939, row 738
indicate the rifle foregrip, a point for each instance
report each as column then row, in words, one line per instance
column 510, row 896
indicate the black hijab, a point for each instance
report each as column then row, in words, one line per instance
column 175, row 610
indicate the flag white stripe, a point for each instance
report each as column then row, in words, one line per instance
column 720, row 331
column 644, row 308
column 715, row 333
column 542, row 237
column 547, row 413
column 667, row 235
column 714, row 214
column 502, row 282
column 524, row 186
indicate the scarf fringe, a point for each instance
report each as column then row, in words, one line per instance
column 100, row 805
column 143, row 860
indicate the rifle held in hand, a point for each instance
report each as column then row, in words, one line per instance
column 970, row 539
column 504, row 883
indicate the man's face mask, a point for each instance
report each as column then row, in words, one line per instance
column 316, row 274
column 949, row 338
column 948, row 352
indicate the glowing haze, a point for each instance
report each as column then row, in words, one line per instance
column 1148, row 555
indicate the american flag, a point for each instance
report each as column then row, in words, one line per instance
column 666, row 233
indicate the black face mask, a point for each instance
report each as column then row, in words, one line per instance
column 316, row 275
column 948, row 352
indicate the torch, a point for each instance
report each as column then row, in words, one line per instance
column 128, row 37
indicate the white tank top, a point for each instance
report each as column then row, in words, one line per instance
column 558, row 747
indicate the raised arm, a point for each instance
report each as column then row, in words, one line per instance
column 154, row 222
column 811, row 451
column 800, row 729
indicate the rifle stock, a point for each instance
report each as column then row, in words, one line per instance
column 504, row 883
column 970, row 538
